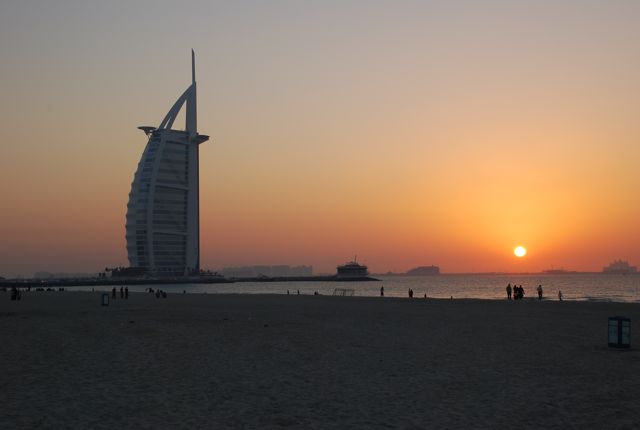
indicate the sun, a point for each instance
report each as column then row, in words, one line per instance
column 520, row 251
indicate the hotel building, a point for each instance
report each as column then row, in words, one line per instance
column 162, row 221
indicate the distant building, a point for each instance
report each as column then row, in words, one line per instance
column 619, row 266
column 424, row 271
column 280, row 270
column 163, row 221
column 63, row 275
column 301, row 271
column 238, row 272
column 261, row 270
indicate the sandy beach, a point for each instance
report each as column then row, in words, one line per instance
column 312, row 362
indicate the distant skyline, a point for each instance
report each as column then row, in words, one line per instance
column 408, row 133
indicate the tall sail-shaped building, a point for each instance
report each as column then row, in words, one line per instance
column 163, row 221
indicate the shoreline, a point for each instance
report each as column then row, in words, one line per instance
column 307, row 293
column 133, row 281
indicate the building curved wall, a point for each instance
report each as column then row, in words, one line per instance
column 158, row 208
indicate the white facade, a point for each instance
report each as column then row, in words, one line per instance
column 163, row 223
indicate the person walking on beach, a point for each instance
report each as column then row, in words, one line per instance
column 521, row 292
column 508, row 291
column 382, row 291
column 559, row 295
column 126, row 292
column 539, row 292
column 121, row 293
column 113, row 293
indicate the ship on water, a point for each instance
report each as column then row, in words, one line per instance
column 352, row 269
column 619, row 267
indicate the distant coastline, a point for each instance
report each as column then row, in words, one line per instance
column 102, row 282
column 544, row 272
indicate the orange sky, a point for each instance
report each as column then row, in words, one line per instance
column 408, row 134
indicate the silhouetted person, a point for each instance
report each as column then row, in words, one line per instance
column 287, row 292
column 559, row 295
column 126, row 292
column 113, row 293
column 410, row 293
column 157, row 294
column 382, row 291
column 121, row 293
column 539, row 292
column 508, row 291
column 164, row 295
column 298, row 292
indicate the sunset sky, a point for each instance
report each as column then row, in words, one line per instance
column 406, row 132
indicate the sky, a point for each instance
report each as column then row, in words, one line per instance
column 407, row 133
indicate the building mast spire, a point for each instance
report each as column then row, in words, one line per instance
column 192, row 116
column 193, row 66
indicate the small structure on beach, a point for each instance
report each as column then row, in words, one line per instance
column 343, row 292
column 619, row 332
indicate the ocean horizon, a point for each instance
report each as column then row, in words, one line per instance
column 580, row 287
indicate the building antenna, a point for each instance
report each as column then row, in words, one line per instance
column 193, row 66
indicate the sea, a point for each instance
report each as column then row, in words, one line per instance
column 582, row 287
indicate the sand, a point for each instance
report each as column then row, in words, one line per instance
column 312, row 362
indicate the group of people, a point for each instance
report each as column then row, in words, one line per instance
column 16, row 294
column 160, row 293
column 124, row 293
column 517, row 292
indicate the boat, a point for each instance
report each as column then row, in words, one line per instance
column 619, row 267
column 352, row 269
